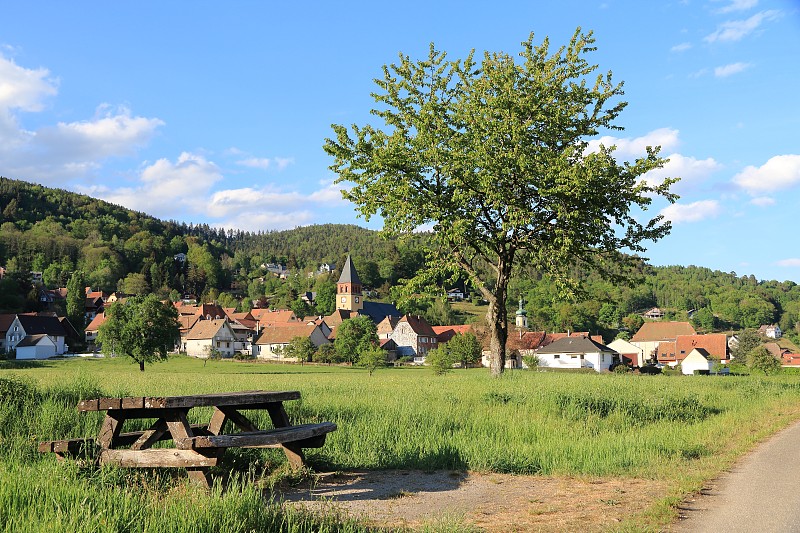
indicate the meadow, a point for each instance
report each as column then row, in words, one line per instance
column 682, row 430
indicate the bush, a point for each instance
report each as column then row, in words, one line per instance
column 531, row 361
column 440, row 360
column 620, row 369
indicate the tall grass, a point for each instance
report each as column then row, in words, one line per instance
column 670, row 428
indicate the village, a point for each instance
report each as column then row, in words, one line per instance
column 209, row 330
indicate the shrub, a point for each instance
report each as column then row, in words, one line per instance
column 531, row 361
column 621, row 369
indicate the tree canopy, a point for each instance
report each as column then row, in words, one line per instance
column 141, row 327
column 495, row 157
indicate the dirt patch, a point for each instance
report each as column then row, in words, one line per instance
column 492, row 502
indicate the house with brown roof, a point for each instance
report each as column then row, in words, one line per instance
column 652, row 333
column 445, row 333
column 714, row 344
column 414, row 337
column 771, row 331
column 273, row 339
column 209, row 336
column 93, row 329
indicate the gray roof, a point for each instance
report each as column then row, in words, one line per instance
column 31, row 340
column 38, row 325
column 349, row 274
column 377, row 311
column 575, row 345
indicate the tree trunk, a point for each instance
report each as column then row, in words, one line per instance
column 496, row 317
column 141, row 366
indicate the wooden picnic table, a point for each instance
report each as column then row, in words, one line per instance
column 195, row 447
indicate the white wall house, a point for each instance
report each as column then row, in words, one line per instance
column 207, row 336
column 30, row 325
column 698, row 359
column 275, row 338
column 36, row 347
column 627, row 349
column 576, row 353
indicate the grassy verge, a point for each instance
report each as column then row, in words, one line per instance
column 682, row 430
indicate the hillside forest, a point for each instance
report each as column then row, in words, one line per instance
column 68, row 236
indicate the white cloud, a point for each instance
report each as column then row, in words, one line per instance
column 227, row 202
column 54, row 154
column 763, row 201
column 255, row 162
column 738, row 5
column 274, row 220
column 681, row 47
column 24, row 89
column 791, row 262
column 735, row 30
column 167, row 188
column 693, row 212
column 689, row 169
column 728, row 70
column 265, row 162
column 667, row 138
column 779, row 172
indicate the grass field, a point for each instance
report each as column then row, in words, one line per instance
column 679, row 429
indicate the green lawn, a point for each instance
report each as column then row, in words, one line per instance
column 679, row 429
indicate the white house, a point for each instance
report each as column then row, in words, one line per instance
column 628, row 351
column 773, row 331
column 576, row 353
column 30, row 325
column 276, row 337
column 698, row 359
column 207, row 336
column 36, row 347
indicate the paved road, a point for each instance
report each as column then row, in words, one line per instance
column 760, row 494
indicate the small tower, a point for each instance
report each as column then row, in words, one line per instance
column 522, row 316
column 348, row 289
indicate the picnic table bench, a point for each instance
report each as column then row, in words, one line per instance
column 196, row 447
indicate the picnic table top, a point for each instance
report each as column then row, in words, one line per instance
column 218, row 399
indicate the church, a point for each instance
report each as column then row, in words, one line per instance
column 350, row 299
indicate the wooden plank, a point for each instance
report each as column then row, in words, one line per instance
column 67, row 446
column 112, row 425
column 241, row 421
column 233, row 399
column 156, row 432
column 157, row 458
column 130, row 437
column 278, row 415
column 257, row 439
column 217, row 423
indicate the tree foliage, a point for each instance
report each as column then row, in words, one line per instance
column 465, row 348
column 496, row 158
column 760, row 359
column 354, row 337
column 76, row 300
column 749, row 340
column 372, row 358
column 300, row 347
column 440, row 360
column 142, row 328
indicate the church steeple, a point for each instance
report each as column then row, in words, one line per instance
column 522, row 315
column 348, row 289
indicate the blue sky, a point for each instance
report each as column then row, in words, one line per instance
column 203, row 113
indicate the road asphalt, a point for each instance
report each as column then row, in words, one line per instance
column 761, row 493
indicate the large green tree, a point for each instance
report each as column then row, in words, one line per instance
column 495, row 158
column 76, row 300
column 142, row 328
column 354, row 337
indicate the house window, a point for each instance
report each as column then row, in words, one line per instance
column 602, row 358
column 582, row 356
column 227, row 345
column 218, row 344
column 423, row 339
column 557, row 356
column 356, row 299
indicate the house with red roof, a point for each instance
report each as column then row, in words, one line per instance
column 414, row 338
column 273, row 339
column 651, row 334
column 209, row 336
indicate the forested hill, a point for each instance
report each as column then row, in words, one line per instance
column 58, row 232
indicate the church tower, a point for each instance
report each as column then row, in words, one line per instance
column 522, row 315
column 348, row 289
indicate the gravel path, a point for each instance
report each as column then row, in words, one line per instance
column 760, row 494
